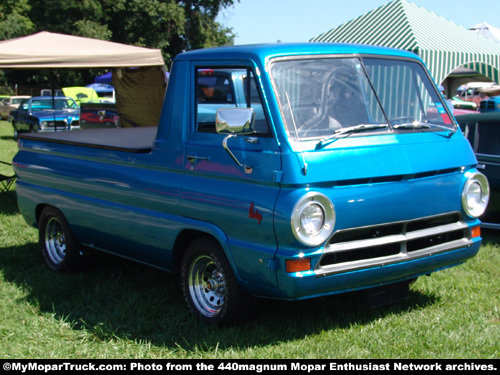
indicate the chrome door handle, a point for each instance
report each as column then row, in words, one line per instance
column 193, row 159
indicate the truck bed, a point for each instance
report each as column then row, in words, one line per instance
column 137, row 140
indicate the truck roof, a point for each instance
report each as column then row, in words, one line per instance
column 264, row 52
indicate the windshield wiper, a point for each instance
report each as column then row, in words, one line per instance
column 349, row 130
column 420, row 125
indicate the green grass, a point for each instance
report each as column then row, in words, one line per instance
column 119, row 309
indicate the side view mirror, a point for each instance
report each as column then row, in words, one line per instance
column 234, row 122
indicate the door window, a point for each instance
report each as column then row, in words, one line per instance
column 227, row 88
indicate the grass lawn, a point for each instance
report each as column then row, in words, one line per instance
column 119, row 309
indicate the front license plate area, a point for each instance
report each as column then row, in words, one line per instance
column 387, row 294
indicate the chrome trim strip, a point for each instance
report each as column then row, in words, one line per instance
column 322, row 271
column 402, row 239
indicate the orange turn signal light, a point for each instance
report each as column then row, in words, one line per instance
column 298, row 265
column 475, row 231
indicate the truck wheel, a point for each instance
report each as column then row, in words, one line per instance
column 209, row 287
column 59, row 246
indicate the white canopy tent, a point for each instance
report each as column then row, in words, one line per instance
column 139, row 91
column 486, row 30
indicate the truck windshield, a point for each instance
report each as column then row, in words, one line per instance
column 335, row 97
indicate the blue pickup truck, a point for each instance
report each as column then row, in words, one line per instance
column 341, row 169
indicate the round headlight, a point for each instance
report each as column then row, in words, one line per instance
column 475, row 195
column 313, row 219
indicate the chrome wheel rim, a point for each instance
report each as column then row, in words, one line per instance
column 207, row 286
column 55, row 241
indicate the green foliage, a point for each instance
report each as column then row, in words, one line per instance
column 119, row 309
column 170, row 25
column 201, row 29
column 14, row 19
column 92, row 29
column 173, row 26
column 164, row 19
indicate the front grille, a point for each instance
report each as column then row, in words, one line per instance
column 487, row 104
column 392, row 242
column 59, row 124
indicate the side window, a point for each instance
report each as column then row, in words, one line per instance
column 227, row 88
column 488, row 141
column 215, row 87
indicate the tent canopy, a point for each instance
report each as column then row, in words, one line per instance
column 441, row 44
column 139, row 102
column 51, row 50
column 486, row 30
column 105, row 78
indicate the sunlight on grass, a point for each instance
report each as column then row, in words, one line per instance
column 118, row 309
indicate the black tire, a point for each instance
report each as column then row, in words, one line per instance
column 16, row 133
column 209, row 287
column 58, row 245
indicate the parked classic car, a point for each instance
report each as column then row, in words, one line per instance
column 463, row 104
column 9, row 104
column 477, row 91
column 490, row 105
column 46, row 114
column 99, row 115
column 483, row 132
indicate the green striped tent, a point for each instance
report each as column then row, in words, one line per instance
column 442, row 44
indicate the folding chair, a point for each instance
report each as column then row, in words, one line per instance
column 6, row 181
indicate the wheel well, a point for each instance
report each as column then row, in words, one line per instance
column 38, row 212
column 183, row 240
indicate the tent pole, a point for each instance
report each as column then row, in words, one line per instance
column 52, row 91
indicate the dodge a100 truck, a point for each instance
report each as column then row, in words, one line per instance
column 285, row 171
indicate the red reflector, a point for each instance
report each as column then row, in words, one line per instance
column 475, row 231
column 446, row 118
column 298, row 265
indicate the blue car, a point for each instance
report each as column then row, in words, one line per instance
column 490, row 104
column 46, row 114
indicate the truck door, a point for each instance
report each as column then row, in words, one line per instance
column 236, row 201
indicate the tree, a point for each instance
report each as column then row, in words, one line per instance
column 201, row 29
column 170, row 25
column 14, row 21
column 173, row 26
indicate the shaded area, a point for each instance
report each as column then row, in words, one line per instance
column 113, row 298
